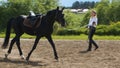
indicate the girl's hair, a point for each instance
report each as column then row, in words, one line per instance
column 94, row 11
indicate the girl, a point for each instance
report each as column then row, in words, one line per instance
column 92, row 28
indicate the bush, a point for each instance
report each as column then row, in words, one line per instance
column 113, row 29
column 101, row 30
column 72, row 31
column 68, row 32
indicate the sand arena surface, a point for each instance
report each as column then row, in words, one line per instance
column 69, row 52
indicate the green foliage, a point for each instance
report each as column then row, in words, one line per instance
column 101, row 13
column 55, row 28
column 75, row 31
column 113, row 13
column 73, row 20
column 112, row 29
column 68, row 32
column 85, row 19
column 102, row 30
column 108, row 12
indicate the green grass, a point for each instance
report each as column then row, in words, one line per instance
column 85, row 37
column 71, row 37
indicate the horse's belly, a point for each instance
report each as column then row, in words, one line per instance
column 29, row 31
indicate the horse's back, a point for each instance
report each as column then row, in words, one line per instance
column 28, row 22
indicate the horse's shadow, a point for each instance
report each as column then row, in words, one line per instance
column 33, row 63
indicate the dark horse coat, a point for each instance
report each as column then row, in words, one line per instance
column 45, row 29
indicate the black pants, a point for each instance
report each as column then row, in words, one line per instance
column 90, row 37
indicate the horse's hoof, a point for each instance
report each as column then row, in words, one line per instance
column 57, row 59
column 27, row 59
column 22, row 57
column 6, row 55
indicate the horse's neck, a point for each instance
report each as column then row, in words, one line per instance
column 50, row 21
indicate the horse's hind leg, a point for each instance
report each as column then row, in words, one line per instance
column 19, row 48
column 10, row 48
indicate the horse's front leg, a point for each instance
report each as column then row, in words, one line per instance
column 34, row 47
column 53, row 46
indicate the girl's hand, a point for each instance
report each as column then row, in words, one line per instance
column 94, row 24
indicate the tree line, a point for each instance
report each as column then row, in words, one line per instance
column 83, row 5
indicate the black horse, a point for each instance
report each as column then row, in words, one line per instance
column 44, row 30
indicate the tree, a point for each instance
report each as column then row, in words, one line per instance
column 83, row 5
column 113, row 12
column 76, row 5
column 102, row 8
column 92, row 4
column 108, row 12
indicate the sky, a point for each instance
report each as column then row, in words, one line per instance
column 68, row 3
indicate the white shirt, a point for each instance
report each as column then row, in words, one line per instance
column 91, row 20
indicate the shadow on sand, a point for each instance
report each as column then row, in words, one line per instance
column 15, row 61
column 84, row 51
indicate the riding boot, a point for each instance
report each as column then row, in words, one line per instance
column 90, row 46
column 96, row 46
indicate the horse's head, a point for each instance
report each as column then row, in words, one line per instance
column 58, row 16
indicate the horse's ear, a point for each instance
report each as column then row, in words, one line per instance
column 63, row 8
column 57, row 8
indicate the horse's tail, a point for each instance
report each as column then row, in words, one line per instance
column 6, row 40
